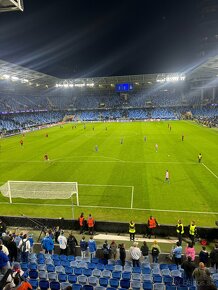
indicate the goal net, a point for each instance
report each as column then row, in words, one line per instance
column 40, row 190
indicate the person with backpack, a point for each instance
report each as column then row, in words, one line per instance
column 24, row 247
column 155, row 252
column 106, row 250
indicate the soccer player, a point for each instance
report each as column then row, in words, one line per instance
column 21, row 142
column 46, row 157
column 96, row 148
column 84, row 127
column 46, row 135
column 167, row 176
column 182, row 137
column 121, row 141
column 199, row 157
column 145, row 138
column 93, row 128
column 156, row 147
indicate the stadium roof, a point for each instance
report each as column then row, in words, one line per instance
column 11, row 5
column 205, row 71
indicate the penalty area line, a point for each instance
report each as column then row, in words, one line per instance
column 210, row 170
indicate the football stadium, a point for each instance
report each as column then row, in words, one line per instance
column 123, row 158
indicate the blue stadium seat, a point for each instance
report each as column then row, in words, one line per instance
column 171, row 287
column 95, row 260
column 136, row 270
column 106, row 274
column 172, row 267
column 147, row 277
column 50, row 268
column 78, row 271
column 156, row 271
column 43, row 284
column 164, row 266
column 71, row 258
column 24, row 266
column 55, row 257
column 176, row 273
column 136, row 285
column 124, row 283
column 77, row 287
column 87, row 272
column 100, row 266
column 126, row 275
column 34, row 283
column 62, row 277
column 48, row 256
column 159, row 286
column 78, row 258
column 43, row 275
column 109, row 267
column 41, row 267
column 59, row 269
column 96, row 272
column 127, row 268
column 73, row 264
column 33, row 274
column 165, row 272
column 114, row 283
column 57, row 263
column 55, row 285
column 116, row 274
column 87, row 287
column 64, row 285
column 182, row 288
column 157, row 278
column 100, row 288
column 68, row 270
column 52, row 276
column 91, row 266
column 103, row 282
column 82, row 279
column 118, row 268
column 136, row 276
column 147, row 285
column 33, row 266
column 72, row 279
column 49, row 261
column 63, row 257
column 168, row 280
column 93, row 280
column 146, row 270
column 82, row 264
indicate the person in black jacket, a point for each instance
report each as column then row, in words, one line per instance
column 122, row 254
column 145, row 250
column 204, row 256
column 12, row 248
column 188, row 267
column 214, row 257
column 72, row 243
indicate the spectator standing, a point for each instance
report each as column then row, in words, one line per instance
column 90, row 223
column 202, row 277
column 132, row 231
column 155, row 251
column 145, row 251
column 92, row 247
column 4, row 248
column 190, row 251
column 214, row 257
column 135, row 254
column 62, row 240
column 31, row 240
column 106, row 250
column 188, row 267
column 122, row 254
column 83, row 247
column 177, row 252
column 113, row 250
column 24, row 247
column 72, row 243
column 152, row 224
column 12, row 248
column 4, row 265
column 47, row 244
column 57, row 233
column 204, row 256
column 180, row 231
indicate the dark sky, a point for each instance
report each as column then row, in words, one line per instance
column 68, row 38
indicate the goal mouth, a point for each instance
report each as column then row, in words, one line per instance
column 39, row 190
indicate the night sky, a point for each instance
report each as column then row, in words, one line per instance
column 84, row 38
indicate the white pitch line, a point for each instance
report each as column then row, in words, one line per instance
column 132, row 195
column 210, row 170
column 104, row 185
column 111, row 207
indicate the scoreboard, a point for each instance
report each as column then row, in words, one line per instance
column 124, row 87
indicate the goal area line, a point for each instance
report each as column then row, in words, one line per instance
column 111, row 207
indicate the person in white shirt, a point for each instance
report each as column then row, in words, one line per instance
column 156, row 147
column 167, row 176
column 4, row 248
column 62, row 240
column 24, row 246
column 135, row 254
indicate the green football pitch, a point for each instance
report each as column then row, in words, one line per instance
column 120, row 182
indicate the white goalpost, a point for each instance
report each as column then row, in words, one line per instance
column 40, row 190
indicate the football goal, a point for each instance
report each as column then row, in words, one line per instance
column 40, row 190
